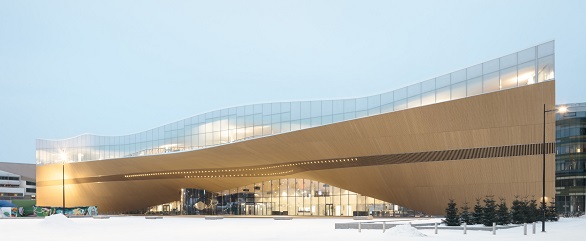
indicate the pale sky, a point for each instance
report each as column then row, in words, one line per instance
column 121, row 67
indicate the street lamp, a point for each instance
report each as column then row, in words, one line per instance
column 558, row 110
column 63, row 157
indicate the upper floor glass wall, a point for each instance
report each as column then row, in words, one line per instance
column 241, row 123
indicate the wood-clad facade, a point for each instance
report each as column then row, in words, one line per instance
column 489, row 144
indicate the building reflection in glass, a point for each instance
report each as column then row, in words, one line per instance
column 298, row 197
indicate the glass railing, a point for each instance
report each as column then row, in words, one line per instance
column 220, row 127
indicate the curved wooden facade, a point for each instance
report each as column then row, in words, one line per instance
column 418, row 158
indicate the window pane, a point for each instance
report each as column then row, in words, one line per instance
column 338, row 118
column 474, row 86
column 349, row 105
column 374, row 111
column 442, row 94
column 545, row 68
column 349, row 116
column 315, row 121
column 474, row 71
column 508, row 61
column 526, row 75
column 459, row 90
column 326, row 107
column 305, row 109
column 373, row 101
column 285, row 107
column 338, row 107
column 400, row 93
column 428, row 98
column 315, row 108
column 414, row 90
column 428, row 85
column 526, row 55
column 490, row 66
column 267, row 109
column 490, row 82
column 326, row 120
column 400, row 104
column 387, row 108
column 275, row 108
column 508, row 78
column 414, row 101
column 295, row 125
column 361, row 104
column 545, row 49
column 442, row 81
column 295, row 110
column 458, row 76
column 386, row 98
column 274, row 128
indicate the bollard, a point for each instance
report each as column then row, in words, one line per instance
column 533, row 227
column 384, row 226
column 493, row 228
column 360, row 227
column 435, row 228
column 525, row 229
column 465, row 227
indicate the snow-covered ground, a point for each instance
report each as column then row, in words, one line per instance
column 197, row 228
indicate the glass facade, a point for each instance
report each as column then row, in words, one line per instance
column 299, row 197
column 570, row 159
column 242, row 123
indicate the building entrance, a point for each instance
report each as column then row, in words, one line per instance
column 329, row 211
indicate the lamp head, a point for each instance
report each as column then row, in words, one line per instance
column 562, row 109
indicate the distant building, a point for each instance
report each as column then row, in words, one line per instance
column 570, row 161
column 17, row 181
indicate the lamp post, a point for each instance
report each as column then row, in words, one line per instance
column 63, row 184
column 559, row 110
column 63, row 157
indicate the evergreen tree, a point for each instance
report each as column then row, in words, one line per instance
column 502, row 213
column 477, row 214
column 532, row 212
column 518, row 211
column 489, row 211
column 551, row 213
column 452, row 217
column 465, row 216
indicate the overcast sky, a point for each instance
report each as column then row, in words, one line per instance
column 120, row 67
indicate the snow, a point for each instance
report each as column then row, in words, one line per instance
column 258, row 229
column 405, row 230
column 57, row 220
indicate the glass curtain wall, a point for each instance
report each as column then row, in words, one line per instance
column 298, row 197
column 241, row 123
column 571, row 160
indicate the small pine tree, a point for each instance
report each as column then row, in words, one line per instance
column 502, row 213
column 477, row 214
column 452, row 217
column 532, row 212
column 489, row 211
column 551, row 213
column 465, row 216
column 518, row 211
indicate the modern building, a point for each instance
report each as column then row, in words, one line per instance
column 17, row 181
column 463, row 135
column 570, row 163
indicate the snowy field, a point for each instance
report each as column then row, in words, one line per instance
column 197, row 228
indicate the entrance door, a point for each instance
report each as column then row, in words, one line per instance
column 329, row 211
column 250, row 209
